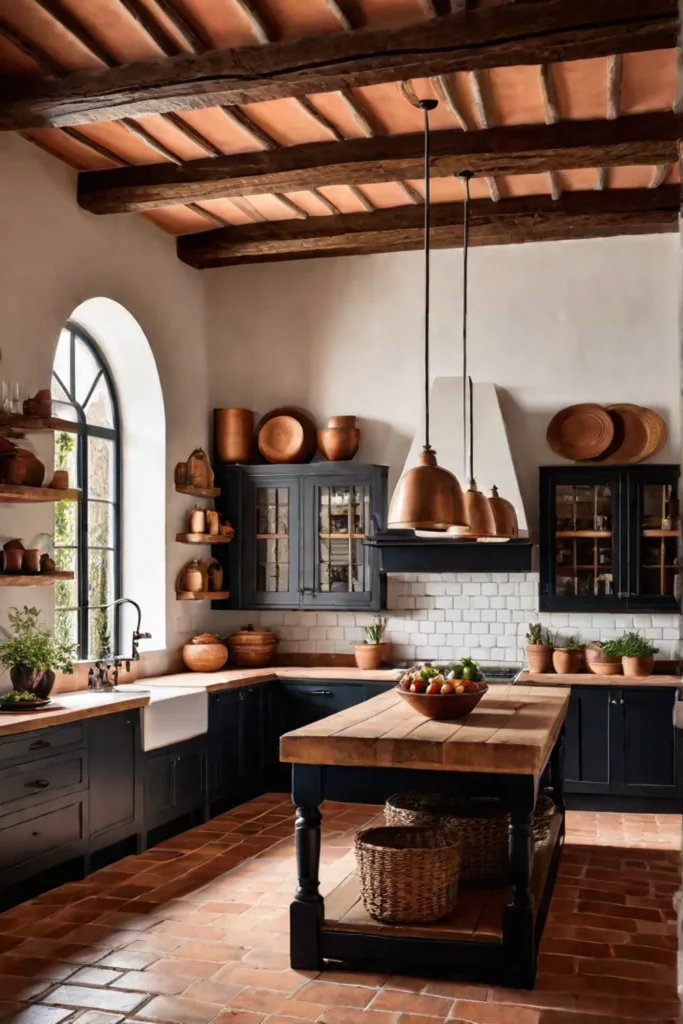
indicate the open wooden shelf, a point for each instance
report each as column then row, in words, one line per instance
column 35, row 579
column 198, row 492
column 203, row 538
column 36, row 424
column 660, row 533
column 202, row 595
column 583, row 533
column 23, row 493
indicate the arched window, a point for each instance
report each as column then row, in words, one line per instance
column 87, row 533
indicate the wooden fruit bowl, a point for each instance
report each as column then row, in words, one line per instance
column 444, row 706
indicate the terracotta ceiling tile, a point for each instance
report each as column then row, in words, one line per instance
column 115, row 29
column 178, row 220
column 309, row 202
column 271, row 207
column 69, row 149
column 222, row 21
column 524, row 184
column 41, row 28
column 287, row 122
column 298, row 20
column 581, row 88
column 333, row 106
column 648, row 81
column 115, row 137
column 580, row 179
column 227, row 210
column 174, row 34
column 386, row 195
column 395, row 114
column 515, row 95
column 343, row 198
column 388, row 13
column 14, row 61
column 630, row 177
column 172, row 138
column 227, row 136
column 674, row 175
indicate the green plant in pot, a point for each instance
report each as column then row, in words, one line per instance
column 33, row 653
column 636, row 652
column 370, row 654
column 568, row 655
column 600, row 661
column 539, row 648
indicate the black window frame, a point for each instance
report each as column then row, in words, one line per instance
column 84, row 430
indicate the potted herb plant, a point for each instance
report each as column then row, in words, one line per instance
column 370, row 654
column 601, row 659
column 568, row 656
column 636, row 652
column 32, row 653
column 539, row 650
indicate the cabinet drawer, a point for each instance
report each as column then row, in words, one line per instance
column 42, row 779
column 41, row 743
column 34, row 840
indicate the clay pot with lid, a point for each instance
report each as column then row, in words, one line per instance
column 340, row 439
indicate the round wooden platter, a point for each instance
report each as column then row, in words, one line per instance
column 286, row 435
column 638, row 433
column 581, row 431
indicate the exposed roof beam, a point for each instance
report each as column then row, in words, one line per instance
column 638, row 139
column 512, row 34
column 531, row 218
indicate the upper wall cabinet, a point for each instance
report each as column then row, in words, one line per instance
column 299, row 533
column 609, row 538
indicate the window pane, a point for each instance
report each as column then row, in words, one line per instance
column 66, row 523
column 100, row 524
column 87, row 368
column 99, row 410
column 66, row 626
column 66, row 591
column 101, row 468
column 100, row 577
column 101, row 632
column 62, row 363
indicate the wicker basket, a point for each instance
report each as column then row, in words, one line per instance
column 481, row 827
column 407, row 874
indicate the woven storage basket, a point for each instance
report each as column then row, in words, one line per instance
column 481, row 827
column 407, row 874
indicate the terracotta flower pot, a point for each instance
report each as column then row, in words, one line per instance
column 599, row 664
column 567, row 661
column 638, row 668
column 369, row 656
column 540, row 657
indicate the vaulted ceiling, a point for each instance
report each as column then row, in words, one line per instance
column 283, row 129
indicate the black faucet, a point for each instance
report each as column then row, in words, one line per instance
column 98, row 677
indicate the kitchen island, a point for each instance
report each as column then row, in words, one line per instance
column 509, row 747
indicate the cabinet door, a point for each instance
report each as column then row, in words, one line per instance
column 224, row 731
column 339, row 571
column 583, row 521
column 645, row 741
column 272, row 542
column 654, row 577
column 114, row 744
column 251, row 738
column 588, row 729
column 174, row 782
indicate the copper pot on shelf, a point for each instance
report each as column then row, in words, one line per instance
column 340, row 439
column 233, row 434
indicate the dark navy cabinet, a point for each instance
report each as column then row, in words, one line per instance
column 300, row 533
column 116, row 790
column 174, row 780
column 242, row 744
column 620, row 742
column 609, row 538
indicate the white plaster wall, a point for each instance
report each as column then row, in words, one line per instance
column 550, row 324
column 54, row 256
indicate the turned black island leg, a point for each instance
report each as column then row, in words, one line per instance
column 307, row 911
column 519, row 942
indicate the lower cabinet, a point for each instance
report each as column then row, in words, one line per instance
column 242, row 745
column 621, row 742
column 115, row 791
column 40, row 837
column 174, row 781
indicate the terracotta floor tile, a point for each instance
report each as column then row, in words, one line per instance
column 23, row 989
column 330, row 994
column 124, row 960
column 342, row 1015
column 178, row 1010
column 154, row 982
column 218, row 952
column 239, row 1017
column 98, row 1017
column 213, row 992
column 411, row 1002
column 39, row 1015
column 280, row 981
column 261, row 999
column 95, row 999
column 100, row 976
column 192, row 969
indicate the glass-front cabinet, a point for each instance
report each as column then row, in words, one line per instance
column 609, row 538
column 299, row 535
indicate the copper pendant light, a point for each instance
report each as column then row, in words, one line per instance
column 478, row 512
column 427, row 497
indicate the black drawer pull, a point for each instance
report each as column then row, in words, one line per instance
column 37, row 784
column 321, row 693
column 35, row 833
column 40, row 745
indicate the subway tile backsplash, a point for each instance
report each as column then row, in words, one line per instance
column 481, row 615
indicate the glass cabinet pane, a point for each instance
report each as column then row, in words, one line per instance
column 658, row 571
column 272, row 540
column 583, row 540
column 343, row 516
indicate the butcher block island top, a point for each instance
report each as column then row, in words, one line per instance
column 512, row 729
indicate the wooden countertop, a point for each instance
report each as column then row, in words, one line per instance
column 233, row 679
column 512, row 730
column 76, row 707
column 589, row 679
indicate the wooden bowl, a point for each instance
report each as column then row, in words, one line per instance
column 286, row 435
column 252, row 648
column 638, row 433
column 339, row 444
column 444, row 706
column 582, row 431
column 204, row 657
column 335, row 422
column 605, row 668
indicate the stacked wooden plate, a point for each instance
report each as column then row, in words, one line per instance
column 621, row 433
column 286, row 435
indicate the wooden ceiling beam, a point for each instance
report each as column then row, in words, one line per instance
column 511, row 34
column 637, row 139
column 528, row 218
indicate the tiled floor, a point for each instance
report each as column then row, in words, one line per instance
column 195, row 931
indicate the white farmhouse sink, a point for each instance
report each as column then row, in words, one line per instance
column 173, row 714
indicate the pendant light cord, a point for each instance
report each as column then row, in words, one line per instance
column 467, row 435
column 427, row 276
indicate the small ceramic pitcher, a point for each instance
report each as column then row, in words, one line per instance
column 212, row 522
column 197, row 521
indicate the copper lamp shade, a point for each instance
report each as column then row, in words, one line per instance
column 427, row 497
column 504, row 515
column 480, row 522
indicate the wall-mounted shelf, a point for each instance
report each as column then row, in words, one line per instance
column 202, row 595
column 583, row 533
column 198, row 492
column 36, row 424
column 26, row 579
column 203, row 538
column 660, row 533
column 23, row 493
